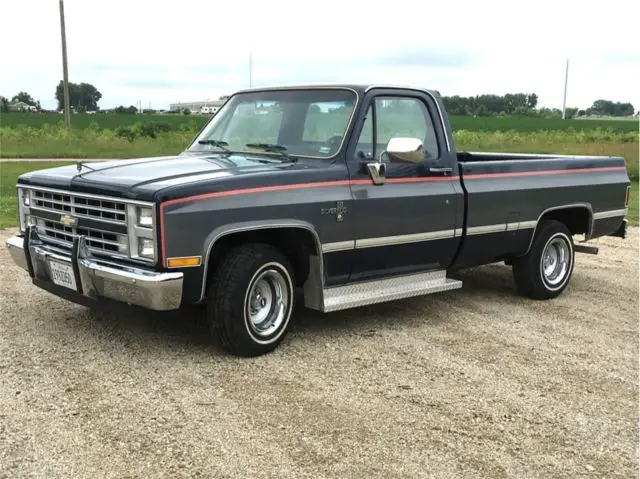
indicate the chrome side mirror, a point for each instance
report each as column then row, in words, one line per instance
column 405, row 149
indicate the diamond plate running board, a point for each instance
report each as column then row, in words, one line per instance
column 380, row 291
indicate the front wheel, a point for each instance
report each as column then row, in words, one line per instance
column 250, row 299
column 545, row 271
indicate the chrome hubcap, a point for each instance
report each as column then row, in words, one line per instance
column 556, row 260
column 267, row 302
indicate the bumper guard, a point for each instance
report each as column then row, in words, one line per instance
column 93, row 278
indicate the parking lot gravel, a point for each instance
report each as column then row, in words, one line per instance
column 476, row 382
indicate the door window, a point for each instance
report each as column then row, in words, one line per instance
column 397, row 117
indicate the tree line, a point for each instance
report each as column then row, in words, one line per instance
column 85, row 97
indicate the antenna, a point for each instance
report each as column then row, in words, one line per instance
column 564, row 100
column 250, row 68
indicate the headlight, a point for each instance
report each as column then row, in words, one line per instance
column 26, row 197
column 145, row 216
column 145, row 248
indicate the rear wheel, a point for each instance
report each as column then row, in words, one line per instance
column 250, row 299
column 545, row 271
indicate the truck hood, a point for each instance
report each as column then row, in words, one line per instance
column 142, row 178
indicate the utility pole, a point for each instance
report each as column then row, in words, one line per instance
column 564, row 100
column 250, row 68
column 65, row 72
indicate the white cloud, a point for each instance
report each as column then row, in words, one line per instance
column 193, row 49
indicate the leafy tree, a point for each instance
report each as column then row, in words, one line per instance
column 24, row 97
column 4, row 104
column 126, row 109
column 571, row 112
column 609, row 108
column 82, row 96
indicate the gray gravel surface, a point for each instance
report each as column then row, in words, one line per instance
column 476, row 382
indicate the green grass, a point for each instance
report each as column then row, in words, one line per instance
column 195, row 122
column 81, row 121
column 9, row 173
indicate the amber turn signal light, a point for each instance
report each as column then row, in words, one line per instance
column 181, row 262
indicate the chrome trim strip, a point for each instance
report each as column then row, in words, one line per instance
column 421, row 90
column 486, row 229
column 601, row 215
column 403, row 239
column 525, row 225
column 338, row 246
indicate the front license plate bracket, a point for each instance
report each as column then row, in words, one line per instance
column 63, row 274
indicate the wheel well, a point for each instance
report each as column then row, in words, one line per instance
column 577, row 218
column 296, row 244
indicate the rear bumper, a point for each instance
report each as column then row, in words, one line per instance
column 96, row 278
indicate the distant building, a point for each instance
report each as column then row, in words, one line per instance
column 21, row 106
column 204, row 107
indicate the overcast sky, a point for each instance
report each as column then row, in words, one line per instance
column 187, row 50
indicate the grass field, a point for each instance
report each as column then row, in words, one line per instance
column 9, row 172
column 195, row 122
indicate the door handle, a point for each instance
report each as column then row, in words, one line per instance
column 445, row 171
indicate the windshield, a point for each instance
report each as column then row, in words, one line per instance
column 307, row 123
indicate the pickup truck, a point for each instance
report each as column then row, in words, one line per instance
column 333, row 196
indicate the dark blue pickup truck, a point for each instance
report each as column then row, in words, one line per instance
column 352, row 194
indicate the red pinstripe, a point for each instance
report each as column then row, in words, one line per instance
column 327, row 184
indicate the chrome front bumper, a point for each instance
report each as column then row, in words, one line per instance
column 96, row 278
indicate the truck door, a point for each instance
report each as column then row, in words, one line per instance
column 411, row 219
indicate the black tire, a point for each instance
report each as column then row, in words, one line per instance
column 531, row 281
column 229, row 303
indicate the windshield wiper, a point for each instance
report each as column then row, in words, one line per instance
column 219, row 143
column 273, row 148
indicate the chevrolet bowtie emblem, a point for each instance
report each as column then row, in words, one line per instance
column 68, row 220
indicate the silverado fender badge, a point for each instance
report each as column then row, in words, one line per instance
column 339, row 211
column 68, row 220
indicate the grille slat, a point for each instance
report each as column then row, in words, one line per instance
column 105, row 210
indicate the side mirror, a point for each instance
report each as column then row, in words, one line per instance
column 405, row 149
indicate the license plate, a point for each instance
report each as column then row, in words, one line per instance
column 62, row 275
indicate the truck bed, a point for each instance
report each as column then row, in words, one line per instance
column 507, row 194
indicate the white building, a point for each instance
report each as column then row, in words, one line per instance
column 204, row 107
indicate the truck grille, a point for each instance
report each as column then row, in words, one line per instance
column 80, row 206
column 97, row 240
column 104, row 237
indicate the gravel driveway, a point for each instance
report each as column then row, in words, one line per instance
column 476, row 382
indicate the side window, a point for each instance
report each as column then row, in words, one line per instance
column 404, row 117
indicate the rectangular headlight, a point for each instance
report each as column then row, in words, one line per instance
column 144, row 216
column 145, row 248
